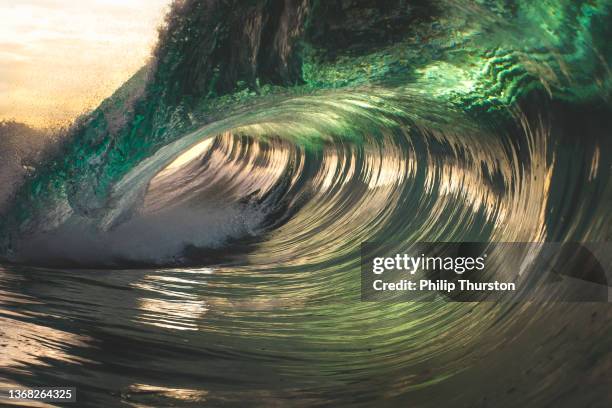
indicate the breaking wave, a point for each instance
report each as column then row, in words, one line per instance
column 228, row 231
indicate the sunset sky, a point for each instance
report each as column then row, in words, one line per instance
column 59, row 58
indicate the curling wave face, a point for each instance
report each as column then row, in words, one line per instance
column 223, row 255
column 405, row 177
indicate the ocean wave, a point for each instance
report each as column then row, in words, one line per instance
column 221, row 216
